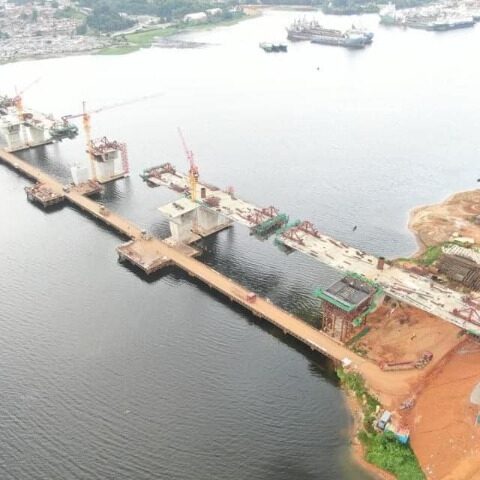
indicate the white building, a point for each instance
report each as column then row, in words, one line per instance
column 214, row 12
column 199, row 17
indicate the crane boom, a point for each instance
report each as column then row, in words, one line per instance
column 193, row 173
column 18, row 100
column 87, row 126
column 109, row 107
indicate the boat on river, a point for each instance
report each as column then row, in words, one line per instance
column 302, row 30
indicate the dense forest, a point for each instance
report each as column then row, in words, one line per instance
column 174, row 9
column 364, row 6
column 168, row 9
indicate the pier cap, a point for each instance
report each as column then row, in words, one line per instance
column 178, row 208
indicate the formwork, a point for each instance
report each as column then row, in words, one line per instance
column 344, row 304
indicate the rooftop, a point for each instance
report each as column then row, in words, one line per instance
column 347, row 293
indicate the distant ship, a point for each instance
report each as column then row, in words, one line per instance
column 312, row 31
column 389, row 16
column 273, row 47
column 451, row 23
column 362, row 31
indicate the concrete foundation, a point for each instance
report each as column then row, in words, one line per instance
column 12, row 133
column 79, row 174
column 189, row 221
column 209, row 221
column 109, row 163
column 37, row 135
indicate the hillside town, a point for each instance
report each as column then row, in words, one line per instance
column 48, row 28
column 43, row 29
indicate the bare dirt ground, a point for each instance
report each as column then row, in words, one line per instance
column 402, row 333
column 443, row 434
column 442, row 422
column 433, row 224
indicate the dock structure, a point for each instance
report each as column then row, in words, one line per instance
column 43, row 195
column 151, row 253
column 407, row 287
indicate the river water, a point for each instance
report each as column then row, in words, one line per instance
column 106, row 374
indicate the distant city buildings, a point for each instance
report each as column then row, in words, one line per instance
column 45, row 28
column 42, row 29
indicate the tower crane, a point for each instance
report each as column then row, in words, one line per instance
column 18, row 100
column 87, row 126
column 193, row 170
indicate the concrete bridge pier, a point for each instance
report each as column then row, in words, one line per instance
column 209, row 221
column 37, row 135
column 189, row 221
column 13, row 135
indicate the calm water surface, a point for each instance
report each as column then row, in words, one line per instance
column 105, row 374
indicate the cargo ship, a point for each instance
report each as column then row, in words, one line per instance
column 341, row 39
column 312, row 31
column 442, row 25
column 367, row 34
column 389, row 15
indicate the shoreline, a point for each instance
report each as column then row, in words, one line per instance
column 430, row 224
column 163, row 32
column 439, row 210
column 421, row 246
column 357, row 450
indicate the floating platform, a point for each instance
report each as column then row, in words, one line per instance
column 87, row 189
column 145, row 254
column 43, row 195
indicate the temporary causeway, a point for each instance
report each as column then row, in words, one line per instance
column 150, row 253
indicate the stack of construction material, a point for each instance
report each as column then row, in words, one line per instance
column 461, row 269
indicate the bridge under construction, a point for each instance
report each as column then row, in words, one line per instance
column 151, row 254
column 302, row 236
column 146, row 251
column 203, row 210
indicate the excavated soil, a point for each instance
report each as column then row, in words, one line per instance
column 433, row 224
column 442, row 424
column 402, row 333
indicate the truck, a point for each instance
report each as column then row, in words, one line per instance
column 251, row 297
column 383, row 420
column 421, row 362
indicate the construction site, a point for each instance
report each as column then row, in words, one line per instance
column 397, row 325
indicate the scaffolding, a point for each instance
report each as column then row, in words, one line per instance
column 346, row 303
column 267, row 228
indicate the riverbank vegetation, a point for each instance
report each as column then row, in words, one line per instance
column 380, row 449
column 430, row 255
column 145, row 38
column 355, row 7
column 166, row 10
